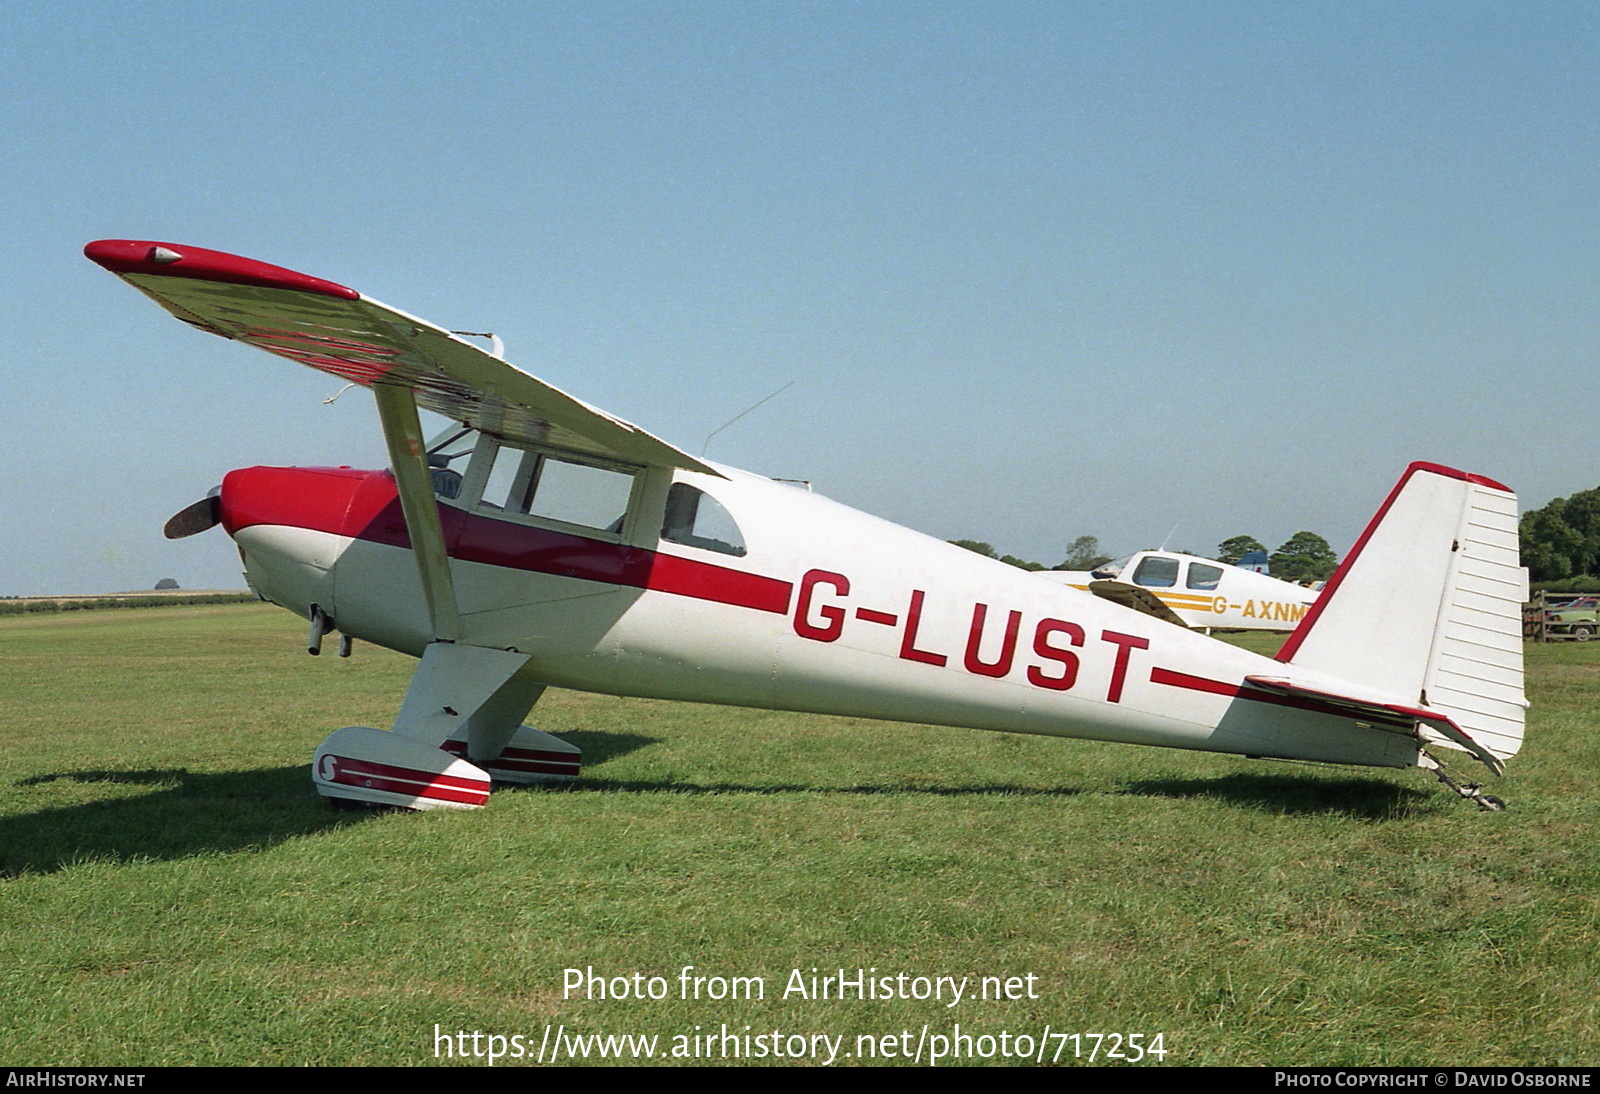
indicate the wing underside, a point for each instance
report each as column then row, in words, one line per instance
column 340, row 332
column 408, row 363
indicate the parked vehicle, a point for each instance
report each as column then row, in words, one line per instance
column 1578, row 618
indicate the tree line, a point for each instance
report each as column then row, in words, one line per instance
column 1304, row 556
column 1560, row 547
column 1083, row 553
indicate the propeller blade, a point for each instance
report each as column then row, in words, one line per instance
column 194, row 518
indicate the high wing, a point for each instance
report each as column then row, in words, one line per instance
column 339, row 331
column 405, row 361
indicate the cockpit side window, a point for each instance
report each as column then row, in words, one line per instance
column 580, row 493
column 1202, row 576
column 506, row 486
column 446, row 482
column 557, row 488
column 1156, row 572
column 696, row 519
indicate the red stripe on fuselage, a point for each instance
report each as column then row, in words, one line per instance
column 364, row 505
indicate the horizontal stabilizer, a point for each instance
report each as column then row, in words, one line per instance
column 1382, row 711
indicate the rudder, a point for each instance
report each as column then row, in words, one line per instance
column 1427, row 606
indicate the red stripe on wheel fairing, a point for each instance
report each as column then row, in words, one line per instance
column 407, row 780
column 522, row 759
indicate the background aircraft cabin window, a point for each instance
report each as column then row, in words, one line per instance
column 1202, row 576
column 581, row 493
column 1157, row 572
column 696, row 519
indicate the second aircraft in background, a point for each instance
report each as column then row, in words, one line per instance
column 1195, row 592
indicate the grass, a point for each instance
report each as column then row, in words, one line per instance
column 173, row 892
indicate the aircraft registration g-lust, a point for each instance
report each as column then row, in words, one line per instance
column 543, row 542
column 1195, row 592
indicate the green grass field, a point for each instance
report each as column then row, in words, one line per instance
column 172, row 891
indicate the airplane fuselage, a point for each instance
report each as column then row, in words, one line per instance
column 822, row 609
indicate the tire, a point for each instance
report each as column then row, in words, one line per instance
column 1583, row 632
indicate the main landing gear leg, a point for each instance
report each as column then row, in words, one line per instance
column 495, row 739
column 457, row 730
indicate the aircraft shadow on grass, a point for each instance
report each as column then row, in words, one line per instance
column 1365, row 799
column 188, row 814
column 184, row 814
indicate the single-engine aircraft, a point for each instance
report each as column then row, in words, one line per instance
column 1195, row 592
column 543, row 542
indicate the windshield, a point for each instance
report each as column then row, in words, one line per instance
column 1112, row 569
column 446, row 447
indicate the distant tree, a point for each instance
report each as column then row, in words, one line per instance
column 1306, row 556
column 1582, row 514
column 1563, row 538
column 977, row 547
column 1083, row 553
column 166, row 583
column 1233, row 549
column 1549, row 543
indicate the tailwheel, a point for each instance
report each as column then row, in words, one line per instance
column 1471, row 791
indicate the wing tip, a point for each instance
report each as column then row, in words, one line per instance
column 134, row 256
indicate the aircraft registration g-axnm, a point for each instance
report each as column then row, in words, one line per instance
column 543, row 542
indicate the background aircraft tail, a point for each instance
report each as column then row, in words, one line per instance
column 1427, row 607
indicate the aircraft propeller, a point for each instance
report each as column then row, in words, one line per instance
column 195, row 518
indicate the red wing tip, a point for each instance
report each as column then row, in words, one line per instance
column 129, row 256
column 1453, row 473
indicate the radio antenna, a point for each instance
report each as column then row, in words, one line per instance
column 741, row 414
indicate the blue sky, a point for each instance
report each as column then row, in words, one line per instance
column 1035, row 270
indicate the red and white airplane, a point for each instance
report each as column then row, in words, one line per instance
column 543, row 542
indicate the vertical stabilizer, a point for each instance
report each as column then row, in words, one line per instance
column 1427, row 607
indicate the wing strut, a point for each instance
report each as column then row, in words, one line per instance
column 402, row 432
